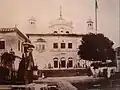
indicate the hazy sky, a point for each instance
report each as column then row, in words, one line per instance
column 19, row 11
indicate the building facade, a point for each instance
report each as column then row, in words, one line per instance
column 58, row 48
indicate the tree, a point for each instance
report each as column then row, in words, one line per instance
column 7, row 59
column 22, row 69
column 25, row 71
column 96, row 47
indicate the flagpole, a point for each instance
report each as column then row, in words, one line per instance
column 96, row 7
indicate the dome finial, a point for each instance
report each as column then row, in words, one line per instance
column 60, row 12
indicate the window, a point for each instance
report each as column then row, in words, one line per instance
column 39, row 47
column 55, row 62
column 36, row 48
column 69, row 45
column 61, row 31
column 18, row 45
column 70, row 62
column 62, row 45
column 55, row 31
column 55, row 45
column 43, row 47
column 67, row 31
column 63, row 62
column 21, row 47
column 2, row 44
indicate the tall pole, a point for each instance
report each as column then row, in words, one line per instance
column 96, row 7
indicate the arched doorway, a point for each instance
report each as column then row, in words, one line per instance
column 63, row 62
column 55, row 62
column 70, row 62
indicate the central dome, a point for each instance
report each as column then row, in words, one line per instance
column 61, row 26
column 61, row 21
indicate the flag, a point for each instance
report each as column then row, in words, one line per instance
column 96, row 4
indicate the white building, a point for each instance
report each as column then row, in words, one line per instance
column 12, row 38
column 58, row 48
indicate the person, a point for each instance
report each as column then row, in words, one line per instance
column 43, row 75
column 94, row 69
column 89, row 72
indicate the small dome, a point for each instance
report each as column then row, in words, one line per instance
column 89, row 20
column 32, row 19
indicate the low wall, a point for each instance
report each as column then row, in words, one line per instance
column 63, row 72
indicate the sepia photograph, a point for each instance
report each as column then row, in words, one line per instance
column 59, row 45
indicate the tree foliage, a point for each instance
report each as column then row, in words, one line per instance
column 96, row 47
column 7, row 58
column 23, row 71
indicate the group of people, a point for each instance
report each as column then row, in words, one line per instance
column 95, row 70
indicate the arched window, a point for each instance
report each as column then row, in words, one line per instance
column 70, row 58
column 55, row 62
column 67, row 31
column 55, row 31
column 70, row 62
column 63, row 62
column 61, row 31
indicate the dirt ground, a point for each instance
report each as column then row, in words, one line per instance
column 66, row 83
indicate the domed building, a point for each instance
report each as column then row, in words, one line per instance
column 58, row 48
column 61, row 26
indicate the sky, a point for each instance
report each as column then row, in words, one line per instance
column 17, row 12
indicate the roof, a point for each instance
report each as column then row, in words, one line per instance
column 15, row 29
column 67, row 35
